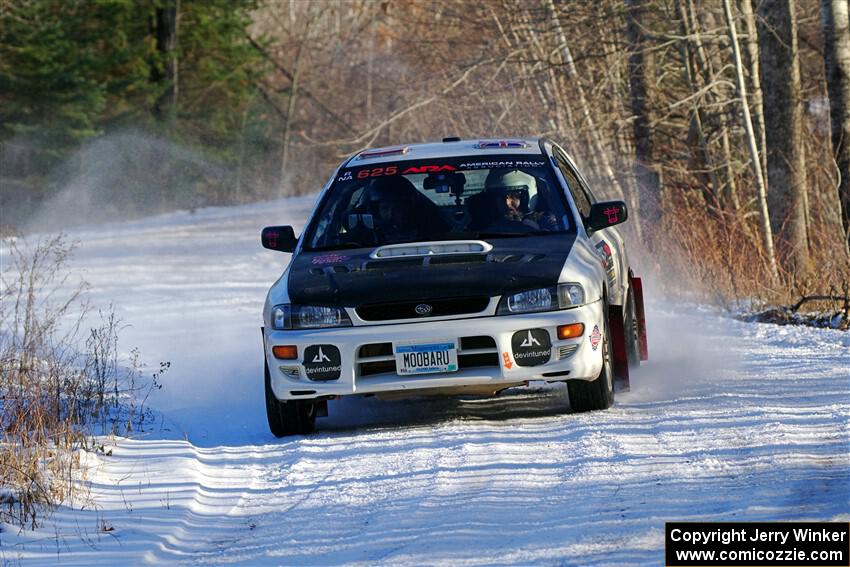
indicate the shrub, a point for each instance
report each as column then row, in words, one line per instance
column 59, row 385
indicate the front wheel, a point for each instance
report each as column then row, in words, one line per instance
column 290, row 417
column 598, row 394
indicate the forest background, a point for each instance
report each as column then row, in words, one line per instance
column 724, row 124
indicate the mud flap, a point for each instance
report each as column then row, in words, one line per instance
column 618, row 340
column 640, row 314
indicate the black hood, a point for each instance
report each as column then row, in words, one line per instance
column 349, row 278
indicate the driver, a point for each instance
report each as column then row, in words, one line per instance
column 511, row 189
column 391, row 202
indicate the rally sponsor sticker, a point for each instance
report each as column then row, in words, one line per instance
column 322, row 362
column 595, row 337
column 329, row 259
column 531, row 347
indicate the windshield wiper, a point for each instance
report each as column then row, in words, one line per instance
column 512, row 234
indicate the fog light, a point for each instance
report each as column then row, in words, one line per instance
column 285, row 352
column 570, row 331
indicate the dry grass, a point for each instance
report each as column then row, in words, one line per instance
column 61, row 380
column 718, row 257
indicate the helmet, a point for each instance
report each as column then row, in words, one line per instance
column 391, row 188
column 390, row 200
column 502, row 182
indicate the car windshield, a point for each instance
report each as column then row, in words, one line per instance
column 439, row 199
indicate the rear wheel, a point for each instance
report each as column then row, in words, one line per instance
column 290, row 417
column 598, row 394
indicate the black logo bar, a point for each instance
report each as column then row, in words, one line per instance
column 762, row 544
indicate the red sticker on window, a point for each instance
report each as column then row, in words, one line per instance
column 429, row 169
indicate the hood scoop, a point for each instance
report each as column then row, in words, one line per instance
column 431, row 249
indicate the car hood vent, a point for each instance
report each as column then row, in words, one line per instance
column 432, row 248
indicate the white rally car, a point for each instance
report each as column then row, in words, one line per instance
column 461, row 267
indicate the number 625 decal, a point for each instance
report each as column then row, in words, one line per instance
column 377, row 171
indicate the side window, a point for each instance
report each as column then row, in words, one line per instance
column 579, row 196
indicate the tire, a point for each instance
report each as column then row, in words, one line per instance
column 630, row 325
column 598, row 394
column 288, row 418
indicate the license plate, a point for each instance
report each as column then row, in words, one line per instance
column 413, row 357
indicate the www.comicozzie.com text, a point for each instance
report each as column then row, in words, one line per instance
column 726, row 536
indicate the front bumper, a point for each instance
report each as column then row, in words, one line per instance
column 485, row 354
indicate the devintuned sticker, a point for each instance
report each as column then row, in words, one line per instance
column 531, row 347
column 595, row 337
column 322, row 362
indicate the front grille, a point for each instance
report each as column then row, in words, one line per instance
column 376, row 349
column 483, row 341
column 473, row 352
column 407, row 309
column 377, row 367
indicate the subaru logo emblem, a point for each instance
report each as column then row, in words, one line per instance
column 423, row 309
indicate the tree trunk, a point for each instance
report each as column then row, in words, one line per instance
column 704, row 165
column 783, row 114
column 836, row 31
column 165, row 107
column 640, row 65
column 746, row 8
column 287, row 125
column 767, row 235
column 713, row 51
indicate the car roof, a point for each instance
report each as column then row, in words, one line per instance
column 477, row 147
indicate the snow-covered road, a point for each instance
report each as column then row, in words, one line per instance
column 727, row 421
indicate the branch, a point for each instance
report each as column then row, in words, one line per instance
column 807, row 298
column 370, row 135
column 285, row 72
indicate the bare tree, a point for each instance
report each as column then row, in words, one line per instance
column 783, row 113
column 836, row 31
column 640, row 66
column 703, row 164
column 746, row 8
column 767, row 234
column 572, row 73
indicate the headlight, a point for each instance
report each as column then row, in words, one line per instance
column 285, row 317
column 561, row 296
column 570, row 295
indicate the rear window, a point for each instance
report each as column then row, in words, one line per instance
column 439, row 199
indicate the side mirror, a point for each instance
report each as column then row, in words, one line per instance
column 607, row 213
column 281, row 238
